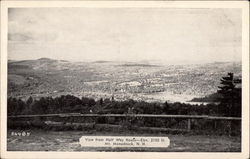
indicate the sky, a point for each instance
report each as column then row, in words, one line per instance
column 125, row 34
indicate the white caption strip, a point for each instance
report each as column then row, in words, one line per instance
column 124, row 141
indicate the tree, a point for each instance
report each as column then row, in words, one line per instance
column 101, row 101
column 40, row 106
column 166, row 107
column 230, row 90
column 28, row 105
column 88, row 101
column 12, row 106
column 29, row 101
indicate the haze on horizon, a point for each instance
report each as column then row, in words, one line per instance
column 125, row 34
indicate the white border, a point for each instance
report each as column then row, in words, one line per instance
column 244, row 5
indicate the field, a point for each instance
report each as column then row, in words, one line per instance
column 40, row 140
column 147, row 81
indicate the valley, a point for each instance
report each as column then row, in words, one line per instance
column 146, row 81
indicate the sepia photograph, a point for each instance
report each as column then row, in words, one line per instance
column 120, row 77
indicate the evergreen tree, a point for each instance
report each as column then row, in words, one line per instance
column 101, row 101
column 29, row 101
column 231, row 95
column 166, row 108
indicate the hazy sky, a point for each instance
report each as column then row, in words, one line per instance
column 129, row 34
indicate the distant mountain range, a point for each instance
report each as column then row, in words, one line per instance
column 123, row 80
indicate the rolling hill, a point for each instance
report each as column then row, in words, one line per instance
column 123, row 80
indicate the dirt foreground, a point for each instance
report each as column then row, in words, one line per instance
column 41, row 140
